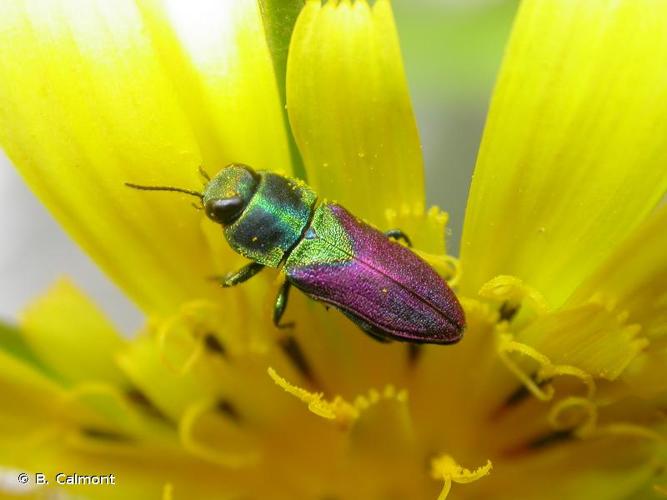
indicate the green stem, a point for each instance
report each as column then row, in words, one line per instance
column 279, row 17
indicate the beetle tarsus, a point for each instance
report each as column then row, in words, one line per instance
column 397, row 234
column 281, row 305
column 243, row 274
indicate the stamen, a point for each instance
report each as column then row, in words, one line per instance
column 582, row 429
column 629, row 429
column 517, row 397
column 213, row 345
column 363, row 402
column 512, row 293
column 164, row 332
column 551, row 371
column 445, row 265
column 444, row 467
column 137, row 397
column 126, row 401
column 191, row 330
column 429, row 228
column 228, row 409
column 549, row 439
column 455, row 266
column 508, row 310
column 104, row 435
column 506, row 346
column 186, row 427
column 338, row 409
column 535, row 384
column 539, row 443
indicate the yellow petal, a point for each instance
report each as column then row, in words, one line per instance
column 383, row 439
column 30, row 406
column 647, row 373
column 104, row 407
column 576, row 470
column 169, row 390
column 575, row 146
column 71, row 336
column 432, row 401
column 349, row 108
column 635, row 277
column 137, row 475
column 86, row 107
column 28, row 390
column 217, row 56
column 591, row 337
column 88, row 104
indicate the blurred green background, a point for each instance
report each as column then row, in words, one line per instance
column 451, row 49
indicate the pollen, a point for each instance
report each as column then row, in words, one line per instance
column 445, row 467
column 337, row 409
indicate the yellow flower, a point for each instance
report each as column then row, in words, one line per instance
column 558, row 387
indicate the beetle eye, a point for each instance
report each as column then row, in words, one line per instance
column 224, row 210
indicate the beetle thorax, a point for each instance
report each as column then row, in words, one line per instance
column 273, row 220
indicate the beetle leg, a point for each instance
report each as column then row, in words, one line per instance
column 397, row 234
column 243, row 274
column 367, row 328
column 281, row 305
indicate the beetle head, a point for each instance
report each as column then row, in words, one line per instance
column 228, row 193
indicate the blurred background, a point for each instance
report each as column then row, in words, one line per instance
column 451, row 50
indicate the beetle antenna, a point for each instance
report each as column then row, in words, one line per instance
column 166, row 188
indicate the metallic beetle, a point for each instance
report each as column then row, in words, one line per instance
column 330, row 255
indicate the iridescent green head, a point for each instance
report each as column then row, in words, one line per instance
column 262, row 214
column 228, row 193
